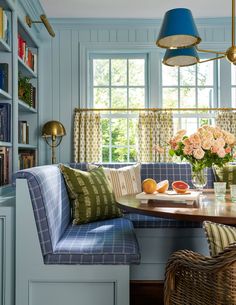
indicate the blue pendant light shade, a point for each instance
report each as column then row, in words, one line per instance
column 181, row 57
column 178, row 30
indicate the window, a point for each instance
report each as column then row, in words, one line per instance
column 118, row 81
column 190, row 87
column 233, row 86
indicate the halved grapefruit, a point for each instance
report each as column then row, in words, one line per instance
column 162, row 186
column 180, row 187
column 149, row 186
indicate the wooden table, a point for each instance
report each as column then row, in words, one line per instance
column 208, row 208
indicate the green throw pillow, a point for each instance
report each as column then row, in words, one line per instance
column 91, row 195
column 226, row 174
column 219, row 236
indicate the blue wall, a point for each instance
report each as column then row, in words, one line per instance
column 66, row 71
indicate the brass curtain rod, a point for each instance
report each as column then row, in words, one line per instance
column 153, row 109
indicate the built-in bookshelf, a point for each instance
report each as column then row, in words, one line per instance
column 27, row 99
column 19, row 92
column 6, row 100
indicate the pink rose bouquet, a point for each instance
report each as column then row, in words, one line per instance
column 207, row 146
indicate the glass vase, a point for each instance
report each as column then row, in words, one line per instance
column 199, row 178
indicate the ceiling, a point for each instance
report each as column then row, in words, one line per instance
column 133, row 8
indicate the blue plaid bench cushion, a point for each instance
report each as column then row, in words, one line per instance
column 109, row 242
column 144, row 221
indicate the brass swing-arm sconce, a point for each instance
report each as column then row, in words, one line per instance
column 44, row 20
column 52, row 132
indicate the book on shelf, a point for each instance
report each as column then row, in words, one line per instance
column 5, row 24
column 26, row 159
column 4, row 166
column 4, row 76
column 23, row 132
column 26, row 54
column 5, row 122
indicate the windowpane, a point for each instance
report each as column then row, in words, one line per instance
column 187, row 97
column 101, row 72
column 119, row 98
column 119, row 154
column 187, row 76
column 233, row 75
column 105, row 131
column 190, row 124
column 101, row 97
column 136, row 72
column 205, row 97
column 170, row 97
column 119, row 131
column 132, row 131
column 205, row 74
column 119, row 72
column 105, row 154
column 169, row 76
column 133, row 155
column 136, row 97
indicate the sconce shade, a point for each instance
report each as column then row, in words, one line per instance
column 181, row 57
column 178, row 30
column 53, row 128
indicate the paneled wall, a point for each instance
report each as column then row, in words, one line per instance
column 66, row 70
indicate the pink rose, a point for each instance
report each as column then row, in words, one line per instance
column 217, row 132
column 187, row 142
column 214, row 149
column 181, row 133
column 198, row 153
column 228, row 150
column 173, row 144
column 206, row 144
column 229, row 138
column 221, row 152
column 195, row 140
column 188, row 150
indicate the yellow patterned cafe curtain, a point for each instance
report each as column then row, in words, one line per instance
column 87, row 136
column 227, row 120
column 154, row 128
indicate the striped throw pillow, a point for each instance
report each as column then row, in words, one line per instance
column 219, row 236
column 125, row 180
column 90, row 194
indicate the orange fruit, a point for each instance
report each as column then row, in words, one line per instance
column 162, row 186
column 180, row 187
column 149, row 186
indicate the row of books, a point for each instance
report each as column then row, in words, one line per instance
column 26, row 159
column 4, row 76
column 26, row 54
column 23, row 132
column 4, row 166
column 5, row 122
column 5, row 24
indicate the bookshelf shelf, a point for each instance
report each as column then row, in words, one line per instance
column 27, row 146
column 4, row 47
column 23, row 107
column 25, row 69
column 4, row 95
column 6, row 144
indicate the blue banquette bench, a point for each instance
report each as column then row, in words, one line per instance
column 58, row 263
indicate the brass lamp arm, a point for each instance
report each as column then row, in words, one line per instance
column 210, row 59
column 53, row 144
column 210, row 51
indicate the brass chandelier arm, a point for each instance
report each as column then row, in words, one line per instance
column 210, row 51
column 210, row 59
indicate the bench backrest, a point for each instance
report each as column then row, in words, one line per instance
column 50, row 200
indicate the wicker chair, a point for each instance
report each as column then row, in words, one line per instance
column 193, row 279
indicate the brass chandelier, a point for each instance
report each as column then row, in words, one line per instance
column 180, row 37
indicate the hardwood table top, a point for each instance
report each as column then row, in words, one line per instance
column 207, row 208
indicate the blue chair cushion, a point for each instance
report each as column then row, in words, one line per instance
column 110, row 242
column 144, row 221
